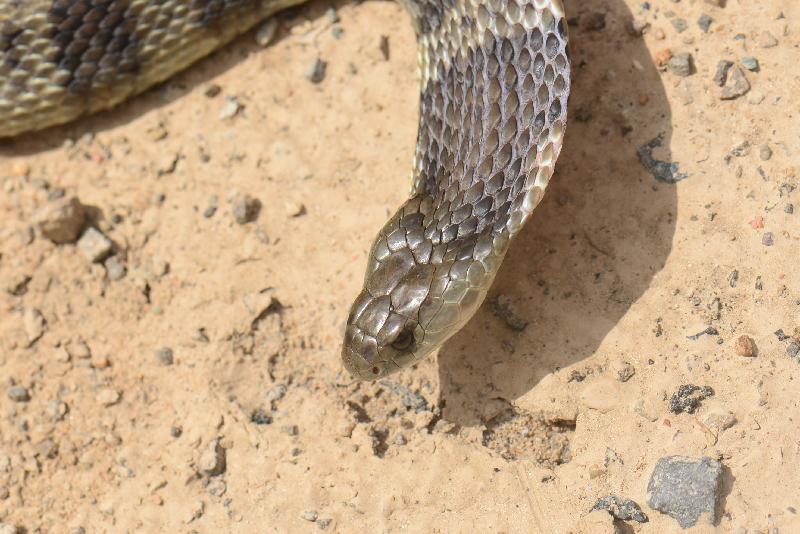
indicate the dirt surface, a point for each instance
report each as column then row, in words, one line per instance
column 191, row 382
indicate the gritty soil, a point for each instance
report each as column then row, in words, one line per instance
column 184, row 376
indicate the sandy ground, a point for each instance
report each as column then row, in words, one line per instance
column 506, row 430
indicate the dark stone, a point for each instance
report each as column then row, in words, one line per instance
column 688, row 398
column 685, row 489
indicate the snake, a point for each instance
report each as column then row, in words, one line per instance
column 494, row 81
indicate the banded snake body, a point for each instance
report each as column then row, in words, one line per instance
column 494, row 81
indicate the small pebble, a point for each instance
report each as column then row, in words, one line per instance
column 767, row 239
column 115, row 269
column 793, row 349
column 94, row 245
column 679, row 24
column 704, row 22
column 688, row 398
column 212, row 90
column 788, row 208
column 246, row 209
column 309, row 515
column 680, row 64
column 383, row 46
column 323, row 524
column 18, row 394
column 164, row 355
column 638, row 26
column 736, row 86
column 746, row 346
column 108, row 397
column 34, row 324
column 62, row 220
column 7, row 528
column 750, row 63
column 721, row 73
column 720, row 420
column 230, row 108
column 266, row 32
column 765, row 152
column 260, row 417
column 621, row 508
column 213, row 461
column 766, row 40
column 332, row 15
column 56, row 409
column 315, row 73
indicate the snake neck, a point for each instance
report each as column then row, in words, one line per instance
column 494, row 85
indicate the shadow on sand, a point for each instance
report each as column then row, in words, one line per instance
column 591, row 249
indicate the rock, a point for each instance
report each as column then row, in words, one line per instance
column 720, row 420
column 736, row 86
column 62, row 220
column 315, row 73
column 309, row 515
column 230, row 108
column 765, row 152
column 704, row 22
column 115, row 269
column 164, row 355
column 108, row 397
column 688, row 398
column 94, row 245
column 212, row 90
column 217, row 487
column 621, row 508
column 638, row 26
column 766, row 40
column 721, row 73
column 322, row 524
column 383, row 46
column 18, row 394
column 680, row 64
column 625, row 371
column 685, row 489
column 7, row 528
column 34, row 324
column 212, row 460
column 246, row 209
column 750, row 63
column 503, row 307
column 195, row 511
column 266, row 32
column 56, row 409
column 679, row 24
column 746, row 346
column 767, row 239
column 793, row 349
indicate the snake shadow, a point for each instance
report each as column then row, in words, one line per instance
column 592, row 247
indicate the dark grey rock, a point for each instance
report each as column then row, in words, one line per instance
column 18, row 394
column 165, row 355
column 721, row 74
column 664, row 171
column 793, row 349
column 688, row 398
column 621, row 508
column 679, row 24
column 680, row 64
column 685, row 488
column 246, row 209
column 316, row 71
column 788, row 208
column 767, row 239
column 750, row 63
column 704, row 22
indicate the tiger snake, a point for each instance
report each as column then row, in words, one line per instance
column 494, row 81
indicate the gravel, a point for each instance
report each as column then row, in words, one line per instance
column 736, row 86
column 266, row 32
column 246, row 209
column 212, row 461
column 750, row 63
column 685, row 489
column 680, row 64
column 663, row 171
column 115, row 269
column 62, row 220
column 621, row 508
column 18, row 394
column 94, row 245
column 688, row 398
column 165, row 355
column 309, row 515
column 704, row 22
column 315, row 72
column 746, row 346
column 721, row 72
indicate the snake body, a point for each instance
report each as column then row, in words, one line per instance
column 494, row 82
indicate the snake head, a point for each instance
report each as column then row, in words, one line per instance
column 384, row 332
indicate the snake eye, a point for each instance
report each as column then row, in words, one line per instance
column 404, row 340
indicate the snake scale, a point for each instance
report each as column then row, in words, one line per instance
column 494, row 82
